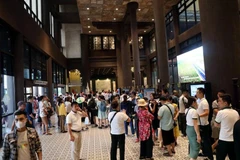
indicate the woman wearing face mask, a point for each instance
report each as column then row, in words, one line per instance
column 192, row 130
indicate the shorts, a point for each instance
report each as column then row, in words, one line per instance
column 168, row 137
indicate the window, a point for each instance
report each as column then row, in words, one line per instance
column 51, row 24
column 5, row 40
column 169, row 26
column 152, row 43
column 189, row 14
column 35, row 64
column 34, row 8
column 140, row 42
column 58, row 74
column 97, row 43
column 191, row 43
column 102, row 42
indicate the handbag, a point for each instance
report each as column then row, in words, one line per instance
column 86, row 121
column 174, row 123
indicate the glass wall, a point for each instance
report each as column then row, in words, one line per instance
column 102, row 42
column 152, row 43
column 154, row 72
column 34, row 8
column 169, row 25
column 189, row 14
column 7, row 84
column 35, row 64
column 58, row 74
column 52, row 25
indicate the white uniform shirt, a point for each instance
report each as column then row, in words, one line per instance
column 191, row 114
column 227, row 118
column 117, row 124
column 23, row 146
column 75, row 119
column 181, row 104
column 203, row 104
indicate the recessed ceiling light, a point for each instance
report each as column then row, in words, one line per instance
column 116, row 9
column 152, row 19
column 88, row 18
column 139, row 9
column 89, row 26
column 110, row 31
column 87, row 8
column 114, row 19
column 144, row 31
column 89, row 31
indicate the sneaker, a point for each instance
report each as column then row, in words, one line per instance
column 99, row 127
column 201, row 155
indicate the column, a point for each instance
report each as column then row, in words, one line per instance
column 119, row 64
column 49, row 79
column 132, row 7
column 126, row 63
column 161, row 42
column 18, row 68
column 220, row 39
column 45, row 16
column 85, row 72
column 147, row 52
column 176, row 29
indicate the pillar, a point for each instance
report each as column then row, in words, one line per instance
column 119, row 64
column 161, row 42
column 220, row 39
column 18, row 67
column 49, row 79
column 126, row 62
column 132, row 7
column 85, row 72
column 176, row 29
column 147, row 52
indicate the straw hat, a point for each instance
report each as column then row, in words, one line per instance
column 142, row 103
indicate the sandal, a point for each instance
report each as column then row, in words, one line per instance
column 48, row 133
column 173, row 151
column 167, row 154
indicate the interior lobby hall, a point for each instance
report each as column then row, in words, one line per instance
column 56, row 55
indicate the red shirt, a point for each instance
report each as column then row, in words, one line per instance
column 145, row 121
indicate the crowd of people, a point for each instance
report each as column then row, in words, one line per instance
column 155, row 121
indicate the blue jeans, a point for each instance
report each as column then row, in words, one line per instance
column 126, row 126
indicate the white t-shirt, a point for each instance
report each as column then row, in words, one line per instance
column 75, row 119
column 227, row 118
column 68, row 106
column 23, row 146
column 181, row 104
column 191, row 114
column 42, row 107
column 203, row 104
column 117, row 125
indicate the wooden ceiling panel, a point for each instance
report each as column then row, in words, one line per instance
column 113, row 11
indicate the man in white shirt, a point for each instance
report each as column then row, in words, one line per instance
column 116, row 120
column 74, row 121
column 182, row 101
column 203, row 112
column 226, row 118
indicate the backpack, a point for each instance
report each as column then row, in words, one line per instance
column 102, row 106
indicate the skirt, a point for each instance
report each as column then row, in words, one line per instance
column 176, row 131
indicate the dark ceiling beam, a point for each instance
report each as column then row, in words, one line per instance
column 68, row 17
column 115, row 25
column 64, row 2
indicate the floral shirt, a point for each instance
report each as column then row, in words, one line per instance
column 145, row 121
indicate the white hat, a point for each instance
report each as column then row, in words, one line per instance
column 142, row 103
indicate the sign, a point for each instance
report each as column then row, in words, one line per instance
column 148, row 91
column 43, row 83
column 61, row 85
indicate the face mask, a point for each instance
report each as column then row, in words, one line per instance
column 20, row 124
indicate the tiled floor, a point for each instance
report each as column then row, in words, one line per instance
column 96, row 146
